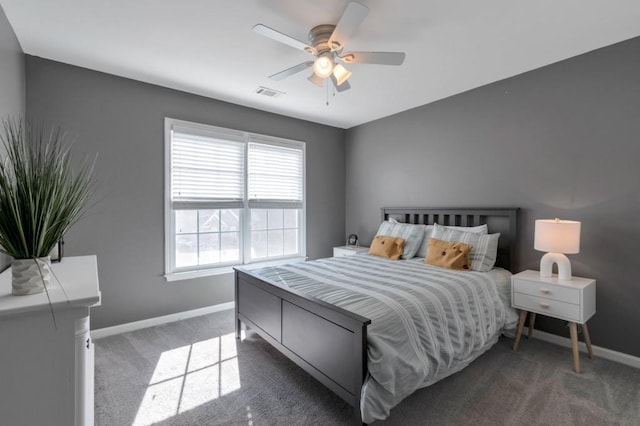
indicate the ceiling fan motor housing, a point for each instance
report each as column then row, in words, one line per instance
column 319, row 37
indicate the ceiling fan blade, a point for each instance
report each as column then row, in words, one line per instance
column 382, row 58
column 315, row 79
column 341, row 88
column 282, row 38
column 351, row 18
column 291, row 71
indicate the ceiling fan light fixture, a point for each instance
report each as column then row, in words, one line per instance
column 341, row 74
column 323, row 66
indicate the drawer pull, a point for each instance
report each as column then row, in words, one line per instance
column 545, row 291
column 544, row 305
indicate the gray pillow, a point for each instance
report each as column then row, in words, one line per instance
column 485, row 246
column 412, row 234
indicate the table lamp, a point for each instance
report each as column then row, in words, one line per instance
column 557, row 237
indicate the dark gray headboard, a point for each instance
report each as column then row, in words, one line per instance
column 502, row 220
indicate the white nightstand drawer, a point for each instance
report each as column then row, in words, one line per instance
column 548, row 291
column 567, row 311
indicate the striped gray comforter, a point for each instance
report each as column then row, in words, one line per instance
column 426, row 322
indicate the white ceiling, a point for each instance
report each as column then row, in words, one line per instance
column 208, row 48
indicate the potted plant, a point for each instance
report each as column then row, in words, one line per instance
column 41, row 196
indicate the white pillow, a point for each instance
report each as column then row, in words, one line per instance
column 422, row 250
column 412, row 234
column 481, row 229
column 424, row 246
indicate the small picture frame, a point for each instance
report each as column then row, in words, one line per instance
column 57, row 252
column 352, row 240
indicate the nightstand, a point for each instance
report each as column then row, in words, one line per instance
column 348, row 250
column 572, row 300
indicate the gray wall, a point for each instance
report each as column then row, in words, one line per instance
column 123, row 121
column 561, row 141
column 12, row 83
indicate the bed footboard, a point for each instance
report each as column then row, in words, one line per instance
column 328, row 342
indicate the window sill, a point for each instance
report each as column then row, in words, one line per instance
column 199, row 273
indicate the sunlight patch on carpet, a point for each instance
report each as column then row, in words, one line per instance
column 249, row 416
column 190, row 376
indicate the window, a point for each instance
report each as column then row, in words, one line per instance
column 231, row 198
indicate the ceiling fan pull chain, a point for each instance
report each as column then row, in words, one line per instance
column 327, row 92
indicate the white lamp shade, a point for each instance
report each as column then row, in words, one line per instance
column 341, row 74
column 557, row 236
column 323, row 66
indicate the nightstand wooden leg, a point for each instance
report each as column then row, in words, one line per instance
column 532, row 321
column 587, row 340
column 573, row 329
column 523, row 317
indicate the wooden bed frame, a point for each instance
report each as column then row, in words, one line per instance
column 328, row 342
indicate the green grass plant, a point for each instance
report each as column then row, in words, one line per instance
column 42, row 191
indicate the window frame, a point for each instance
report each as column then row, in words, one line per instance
column 171, row 273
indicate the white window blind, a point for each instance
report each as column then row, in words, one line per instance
column 275, row 175
column 206, row 172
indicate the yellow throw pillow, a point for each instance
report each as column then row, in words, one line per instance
column 452, row 255
column 385, row 246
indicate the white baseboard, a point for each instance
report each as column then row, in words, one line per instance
column 622, row 358
column 137, row 325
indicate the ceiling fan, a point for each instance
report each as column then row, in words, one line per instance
column 326, row 44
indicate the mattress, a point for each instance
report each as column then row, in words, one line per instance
column 426, row 322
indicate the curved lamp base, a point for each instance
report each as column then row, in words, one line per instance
column 564, row 266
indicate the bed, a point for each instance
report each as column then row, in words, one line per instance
column 329, row 333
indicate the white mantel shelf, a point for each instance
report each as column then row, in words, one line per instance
column 72, row 272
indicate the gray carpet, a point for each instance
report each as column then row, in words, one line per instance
column 192, row 372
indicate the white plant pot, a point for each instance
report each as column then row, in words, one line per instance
column 30, row 276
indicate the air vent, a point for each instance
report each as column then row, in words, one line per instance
column 271, row 93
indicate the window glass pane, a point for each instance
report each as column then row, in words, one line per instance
column 186, row 221
column 186, row 250
column 229, row 220
column 291, row 218
column 209, row 249
column 275, row 243
column 229, row 246
column 283, row 236
column 258, row 244
column 290, row 241
column 275, row 218
column 258, row 219
column 209, row 220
